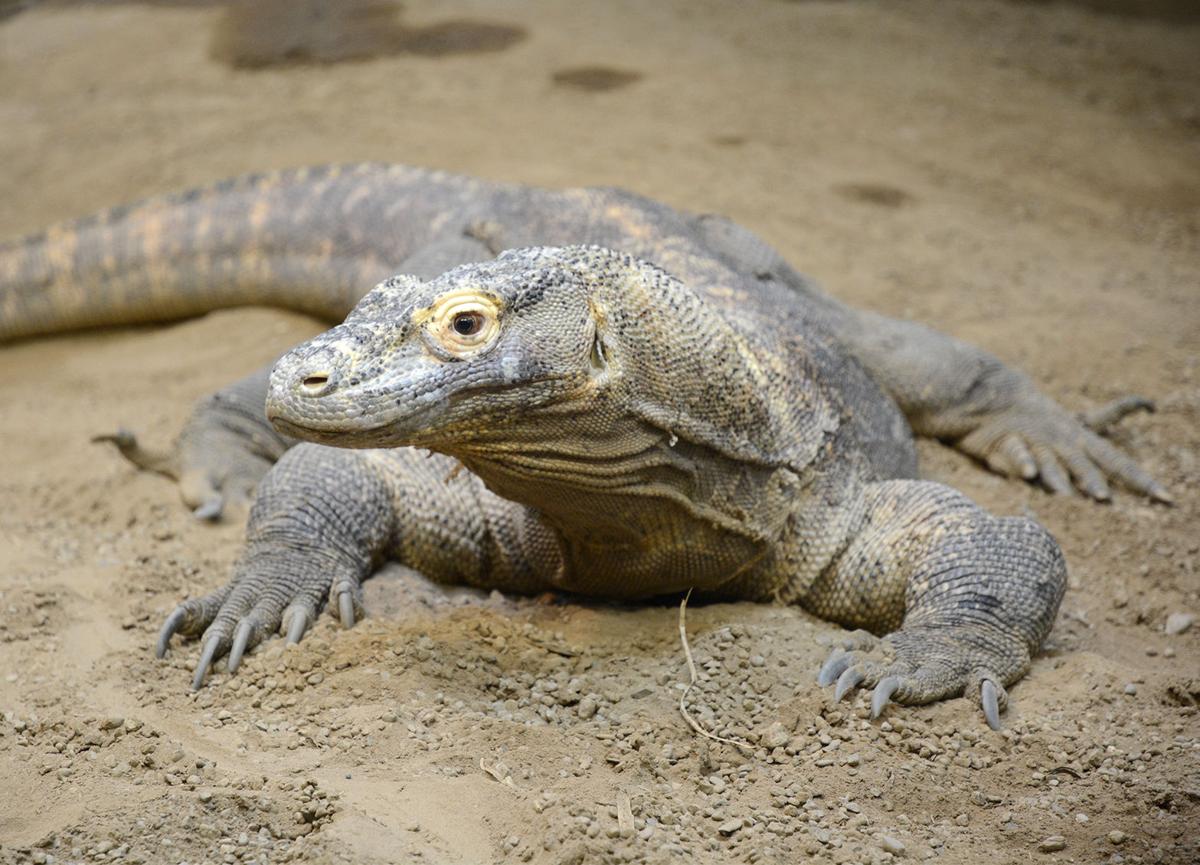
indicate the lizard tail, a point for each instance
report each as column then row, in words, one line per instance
column 295, row 239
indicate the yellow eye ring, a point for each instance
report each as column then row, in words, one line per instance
column 464, row 323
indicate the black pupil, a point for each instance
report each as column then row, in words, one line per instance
column 467, row 323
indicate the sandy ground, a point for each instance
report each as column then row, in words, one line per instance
column 1025, row 176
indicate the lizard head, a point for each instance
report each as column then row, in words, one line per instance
column 434, row 363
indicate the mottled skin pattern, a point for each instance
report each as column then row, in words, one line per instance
column 597, row 423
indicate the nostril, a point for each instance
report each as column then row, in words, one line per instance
column 315, row 383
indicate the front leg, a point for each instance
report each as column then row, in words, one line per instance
column 325, row 519
column 965, row 598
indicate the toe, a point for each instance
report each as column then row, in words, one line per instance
column 986, row 686
column 346, row 609
column 1010, row 457
column 200, row 493
column 174, row 622
column 1122, row 468
column 1053, row 475
column 847, row 682
column 190, row 618
column 209, row 511
column 882, row 694
column 241, row 641
column 1087, row 476
column 214, row 646
column 1101, row 419
column 297, row 619
column 345, row 597
column 990, row 701
column 834, row 666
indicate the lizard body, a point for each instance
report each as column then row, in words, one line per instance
column 653, row 401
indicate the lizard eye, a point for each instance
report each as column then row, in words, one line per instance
column 467, row 323
column 463, row 323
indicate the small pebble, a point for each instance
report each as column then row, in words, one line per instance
column 1131, row 689
column 892, row 845
column 1053, row 844
column 775, row 736
column 730, row 826
column 1116, row 836
column 1177, row 623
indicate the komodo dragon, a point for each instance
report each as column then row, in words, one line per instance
column 643, row 401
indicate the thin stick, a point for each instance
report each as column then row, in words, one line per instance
column 687, row 653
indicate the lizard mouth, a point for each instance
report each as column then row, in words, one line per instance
column 343, row 430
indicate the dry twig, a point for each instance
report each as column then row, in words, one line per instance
column 687, row 653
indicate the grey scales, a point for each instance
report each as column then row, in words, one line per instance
column 585, row 391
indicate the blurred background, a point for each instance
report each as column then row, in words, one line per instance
column 891, row 150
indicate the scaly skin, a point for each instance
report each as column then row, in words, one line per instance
column 624, row 435
column 316, row 239
column 783, row 431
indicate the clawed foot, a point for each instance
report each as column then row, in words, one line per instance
column 223, row 451
column 918, row 666
column 217, row 469
column 260, row 602
column 1034, row 438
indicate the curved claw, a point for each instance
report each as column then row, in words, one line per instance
column 296, row 627
column 847, row 682
column 170, row 626
column 206, row 659
column 346, row 609
column 989, row 699
column 883, row 693
column 241, row 637
column 834, row 666
column 122, row 438
column 1161, row 494
column 209, row 510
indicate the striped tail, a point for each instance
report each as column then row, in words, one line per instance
column 303, row 239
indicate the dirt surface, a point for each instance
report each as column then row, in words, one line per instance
column 1025, row 176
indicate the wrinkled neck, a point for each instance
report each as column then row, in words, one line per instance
column 596, row 471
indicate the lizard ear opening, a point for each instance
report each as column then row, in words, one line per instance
column 598, row 357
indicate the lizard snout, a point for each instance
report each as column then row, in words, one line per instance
column 318, row 375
